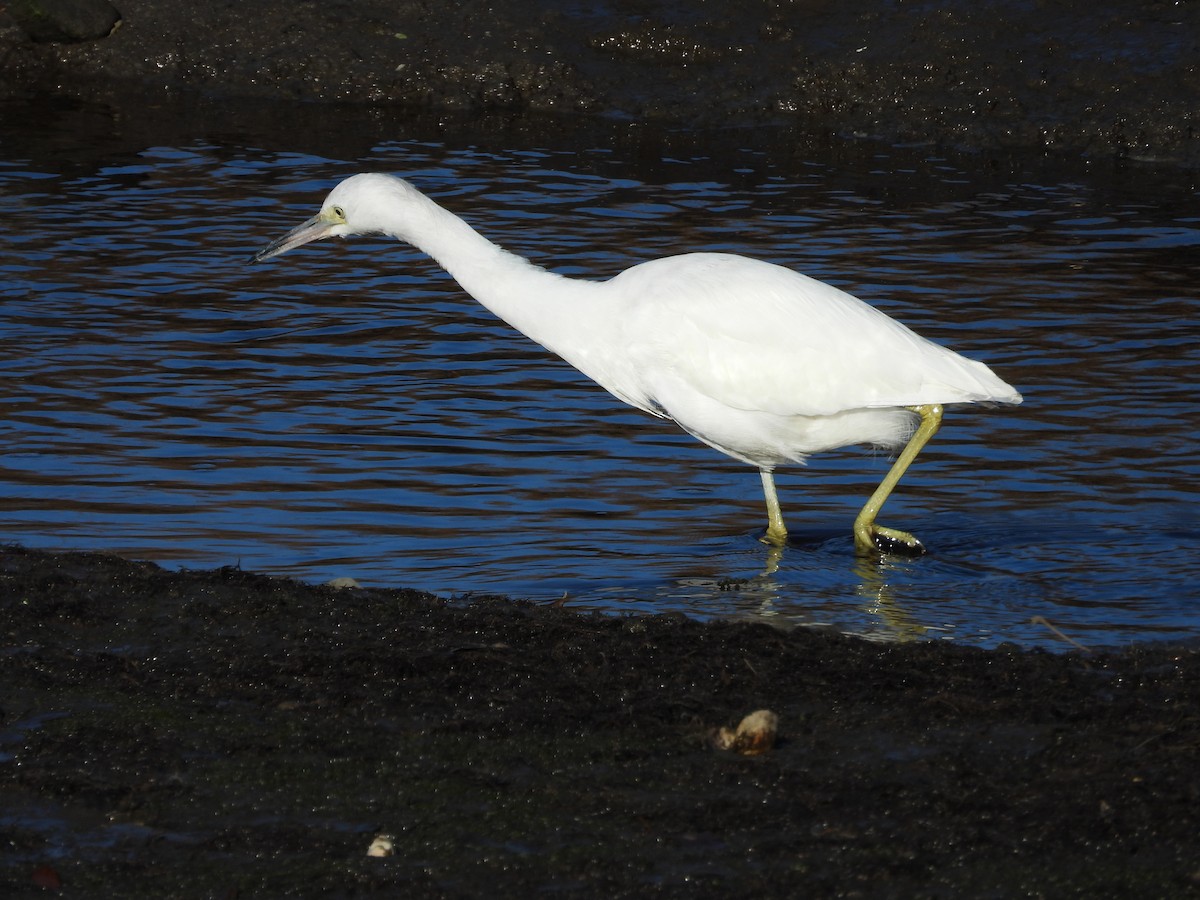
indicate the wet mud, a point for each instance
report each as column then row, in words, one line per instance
column 1103, row 77
column 221, row 734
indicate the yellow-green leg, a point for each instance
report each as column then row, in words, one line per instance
column 776, row 530
column 868, row 535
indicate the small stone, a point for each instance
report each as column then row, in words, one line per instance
column 65, row 21
column 382, row 846
column 754, row 736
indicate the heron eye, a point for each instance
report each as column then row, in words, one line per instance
column 339, row 212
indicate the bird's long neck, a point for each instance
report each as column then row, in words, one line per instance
column 551, row 309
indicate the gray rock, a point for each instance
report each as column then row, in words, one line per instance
column 65, row 21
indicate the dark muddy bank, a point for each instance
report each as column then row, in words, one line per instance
column 220, row 734
column 1101, row 77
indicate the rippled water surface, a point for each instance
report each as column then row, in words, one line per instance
column 346, row 410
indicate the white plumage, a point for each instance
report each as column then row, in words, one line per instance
column 760, row 362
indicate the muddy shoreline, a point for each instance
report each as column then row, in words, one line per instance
column 1099, row 79
column 186, row 734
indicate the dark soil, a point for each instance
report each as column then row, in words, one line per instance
column 222, row 734
column 1102, row 77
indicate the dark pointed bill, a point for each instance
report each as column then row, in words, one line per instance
column 312, row 230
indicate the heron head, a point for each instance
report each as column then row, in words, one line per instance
column 362, row 204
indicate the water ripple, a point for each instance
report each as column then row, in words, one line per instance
column 346, row 411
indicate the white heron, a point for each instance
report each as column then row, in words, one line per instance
column 756, row 360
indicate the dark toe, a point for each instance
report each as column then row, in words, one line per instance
column 895, row 547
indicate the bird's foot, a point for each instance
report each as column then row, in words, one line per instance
column 878, row 539
column 775, row 537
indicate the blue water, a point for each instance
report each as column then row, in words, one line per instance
column 345, row 411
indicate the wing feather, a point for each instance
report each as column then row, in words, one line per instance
column 756, row 336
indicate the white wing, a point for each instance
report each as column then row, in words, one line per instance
column 757, row 336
